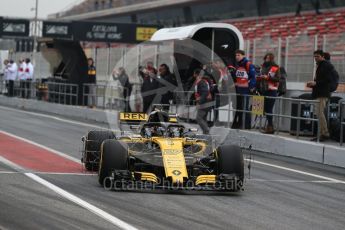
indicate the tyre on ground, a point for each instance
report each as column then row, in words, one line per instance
column 114, row 156
column 230, row 161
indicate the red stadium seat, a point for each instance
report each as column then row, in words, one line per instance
column 329, row 22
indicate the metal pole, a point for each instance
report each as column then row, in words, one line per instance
column 248, row 47
column 244, row 113
column 279, row 50
column 254, row 50
column 123, row 55
column 280, row 112
column 341, row 123
column 138, row 55
column 156, row 55
column 315, row 48
column 229, row 100
column 286, row 54
column 83, row 99
column 35, row 33
column 318, row 125
column 76, row 95
column 212, row 45
column 104, row 96
column 329, row 104
column 324, row 42
column 108, row 62
column 341, row 133
column 298, row 119
column 64, row 93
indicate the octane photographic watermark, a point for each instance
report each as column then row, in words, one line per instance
column 163, row 184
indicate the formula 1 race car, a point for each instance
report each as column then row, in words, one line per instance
column 163, row 154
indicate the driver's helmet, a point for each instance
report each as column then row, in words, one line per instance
column 175, row 131
column 157, row 131
column 146, row 132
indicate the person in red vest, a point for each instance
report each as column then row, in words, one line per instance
column 243, row 75
column 270, row 73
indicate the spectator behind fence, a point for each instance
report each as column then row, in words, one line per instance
column 245, row 82
column 22, row 76
column 12, row 69
column 212, row 74
column 123, row 78
column 203, row 98
column 29, row 76
column 149, row 88
column 321, row 91
column 222, row 86
column 167, row 86
column 91, row 89
column 5, row 72
column 150, row 67
column 270, row 75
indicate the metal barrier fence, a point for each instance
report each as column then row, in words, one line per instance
column 278, row 114
column 62, row 93
column 342, row 121
column 105, row 95
column 2, row 84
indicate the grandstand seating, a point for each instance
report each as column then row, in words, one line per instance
column 329, row 22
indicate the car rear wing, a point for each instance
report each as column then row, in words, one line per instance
column 136, row 118
column 133, row 117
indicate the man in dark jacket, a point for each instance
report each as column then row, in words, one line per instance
column 168, row 84
column 148, row 89
column 321, row 91
column 123, row 78
column 91, row 80
column 203, row 99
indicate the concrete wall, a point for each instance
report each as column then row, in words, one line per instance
column 75, row 112
column 307, row 150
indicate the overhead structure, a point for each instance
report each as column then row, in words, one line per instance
column 220, row 39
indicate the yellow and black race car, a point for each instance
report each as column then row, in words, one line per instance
column 163, row 154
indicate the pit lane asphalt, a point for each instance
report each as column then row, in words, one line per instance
column 273, row 198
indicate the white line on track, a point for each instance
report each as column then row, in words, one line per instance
column 296, row 181
column 43, row 147
column 55, row 118
column 99, row 212
column 298, row 171
column 48, row 173
column 67, row 174
column 8, row 172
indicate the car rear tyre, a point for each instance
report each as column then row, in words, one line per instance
column 113, row 156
